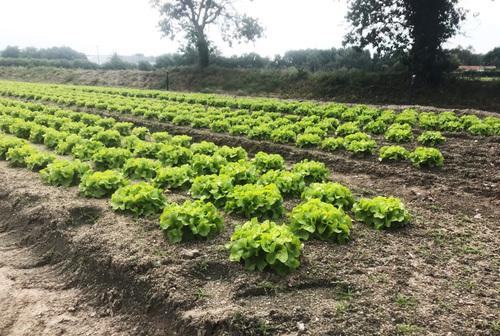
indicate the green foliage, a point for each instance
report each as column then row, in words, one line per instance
column 427, row 157
column 312, row 171
column 146, row 149
column 265, row 245
column 101, row 184
column 110, row 158
column 482, row 129
column 393, row 153
column 283, row 135
column 332, row 144
column 332, row 193
column 20, row 128
column 65, row 147
column 265, row 162
column 241, row 172
column 206, row 165
column 204, row 147
column 37, row 133
column 39, row 160
column 260, row 132
column 428, row 120
column 347, row 128
column 64, row 172
column 140, row 132
column 17, row 156
column 213, row 188
column 174, row 177
column 381, row 212
column 376, row 127
column 86, row 149
column 408, row 116
column 190, row 220
column 317, row 219
column 109, row 138
column 251, row 200
column 141, row 199
column 399, row 133
column 52, row 138
column 308, row 140
column 181, row 140
column 174, row 155
column 124, row 128
column 161, row 137
column 361, row 146
column 141, row 168
column 431, row 138
column 232, row 154
column 288, row 183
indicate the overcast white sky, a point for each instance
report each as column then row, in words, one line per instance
column 130, row 26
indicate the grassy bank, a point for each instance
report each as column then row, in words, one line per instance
column 342, row 86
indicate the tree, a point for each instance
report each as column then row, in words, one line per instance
column 492, row 58
column 11, row 52
column 192, row 17
column 116, row 63
column 413, row 29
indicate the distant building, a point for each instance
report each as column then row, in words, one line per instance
column 476, row 68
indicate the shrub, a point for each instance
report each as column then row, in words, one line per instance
column 332, row 193
column 173, row 155
column 332, row 144
column 288, row 183
column 308, row 140
column 265, row 245
column 265, row 162
column 251, row 200
column 190, row 220
column 427, row 157
column 111, row 158
column 64, row 172
column 431, row 138
column 174, row 177
column 381, row 212
column 393, row 153
column 399, row 133
column 213, row 188
column 39, row 160
column 141, row 168
column 320, row 220
column 141, row 199
column 241, row 172
column 109, row 138
column 312, row 171
column 101, row 184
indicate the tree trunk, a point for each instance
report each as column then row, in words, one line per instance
column 203, row 52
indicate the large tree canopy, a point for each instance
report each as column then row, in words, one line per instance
column 414, row 28
column 192, row 18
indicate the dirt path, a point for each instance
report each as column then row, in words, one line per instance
column 39, row 300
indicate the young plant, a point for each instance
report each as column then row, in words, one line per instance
column 86, row 149
column 204, row 147
column 101, row 184
column 241, row 172
column 110, row 158
column 381, row 212
column 332, row 193
column 427, row 157
column 141, row 199
column 39, row 160
column 265, row 245
column 283, row 135
column 109, row 138
column 212, row 188
column 174, row 177
column 320, row 220
column 347, row 128
column 265, row 162
column 17, row 156
column 364, row 147
column 64, row 172
column 312, row 171
column 288, row 183
column 141, row 168
column 393, row 153
column 308, row 140
column 399, row 133
column 232, row 154
column 431, row 138
column 206, row 165
column 251, row 200
column 191, row 220
column 140, row 132
column 332, row 144
column 172, row 155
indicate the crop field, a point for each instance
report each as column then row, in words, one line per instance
column 206, row 214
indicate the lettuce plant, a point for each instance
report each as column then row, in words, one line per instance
column 265, row 245
column 161, row 137
column 174, row 177
column 283, row 135
column 375, row 127
column 265, row 162
column 381, row 212
column 393, row 153
column 481, row 128
column 347, row 128
column 308, row 140
column 320, row 220
column 64, row 173
column 16, row 156
column 427, row 157
column 288, row 183
column 109, row 138
column 241, row 172
column 251, row 200
column 313, row 171
column 399, row 133
column 204, row 147
column 65, row 147
column 213, row 188
column 205, row 165
column 332, row 193
column 140, row 132
column 173, row 155
column 190, row 220
column 141, row 199
column 232, row 154
column 39, row 160
column 86, row 149
column 101, row 184
column 111, row 158
column 361, row 146
column 141, row 168
column 332, row 144
column 146, row 149
column 124, row 128
column 431, row 138
column 181, row 140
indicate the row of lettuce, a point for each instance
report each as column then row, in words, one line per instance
column 353, row 129
column 135, row 168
